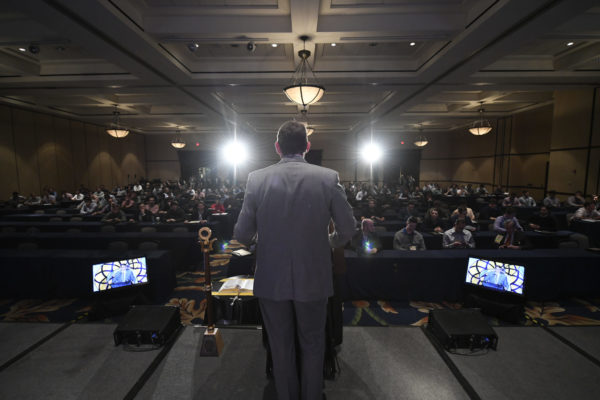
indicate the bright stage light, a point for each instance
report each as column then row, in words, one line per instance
column 235, row 152
column 371, row 152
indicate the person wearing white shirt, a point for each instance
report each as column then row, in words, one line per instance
column 588, row 211
column 526, row 200
column 458, row 237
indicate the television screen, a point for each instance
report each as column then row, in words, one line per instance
column 496, row 275
column 116, row 274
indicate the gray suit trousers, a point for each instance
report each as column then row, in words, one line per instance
column 281, row 320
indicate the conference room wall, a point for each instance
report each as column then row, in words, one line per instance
column 161, row 158
column 38, row 150
column 458, row 156
column 573, row 130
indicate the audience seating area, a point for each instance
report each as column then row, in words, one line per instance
column 48, row 251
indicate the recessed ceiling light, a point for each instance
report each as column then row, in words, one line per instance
column 333, row 44
column 412, row 43
column 373, row 44
column 570, row 44
column 273, row 44
column 22, row 49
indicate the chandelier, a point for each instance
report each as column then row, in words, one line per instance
column 178, row 142
column 421, row 140
column 116, row 130
column 304, row 119
column 481, row 126
column 300, row 91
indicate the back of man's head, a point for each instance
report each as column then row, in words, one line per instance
column 292, row 138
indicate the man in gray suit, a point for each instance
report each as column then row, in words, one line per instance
column 287, row 209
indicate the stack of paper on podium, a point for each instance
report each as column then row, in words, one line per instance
column 235, row 286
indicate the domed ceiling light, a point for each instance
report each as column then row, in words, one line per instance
column 301, row 91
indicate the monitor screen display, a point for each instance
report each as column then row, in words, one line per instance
column 496, row 275
column 116, row 274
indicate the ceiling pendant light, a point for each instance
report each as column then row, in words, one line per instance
column 304, row 119
column 300, row 91
column 178, row 142
column 421, row 140
column 481, row 126
column 116, row 130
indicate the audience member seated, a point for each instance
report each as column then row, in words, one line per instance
column 87, row 206
column 588, row 211
column 361, row 194
column 490, row 212
column 199, row 212
column 129, row 202
column 372, row 211
column 512, row 238
column 576, row 200
column 462, row 214
column 366, row 240
column 511, row 201
column 33, row 200
column 175, row 213
column 458, row 237
column 433, row 222
column 152, row 207
column 408, row 238
column 551, row 201
column 543, row 221
column 526, row 200
column 409, row 211
column 115, row 215
column 498, row 192
column 468, row 211
column 481, row 190
column 509, row 214
column 142, row 214
column 49, row 196
column 217, row 207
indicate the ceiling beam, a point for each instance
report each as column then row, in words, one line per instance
column 578, row 56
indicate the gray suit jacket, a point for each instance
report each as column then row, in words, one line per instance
column 289, row 206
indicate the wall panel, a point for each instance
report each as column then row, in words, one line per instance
column 64, row 155
column 26, row 151
column 567, row 170
column 46, row 149
column 80, row 154
column 8, row 164
column 39, row 150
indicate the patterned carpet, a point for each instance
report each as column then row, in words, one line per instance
column 189, row 297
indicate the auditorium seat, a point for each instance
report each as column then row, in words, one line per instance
column 61, row 212
column 76, row 219
column 55, row 219
column 26, row 246
column 33, row 229
column 118, row 245
column 148, row 246
column 576, row 240
column 107, row 228
column 148, row 229
column 39, row 212
column 9, row 229
column 73, row 230
column 180, row 229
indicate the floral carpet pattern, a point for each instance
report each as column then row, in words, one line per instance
column 188, row 295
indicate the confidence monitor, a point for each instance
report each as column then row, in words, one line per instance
column 496, row 287
column 119, row 274
column 496, row 276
